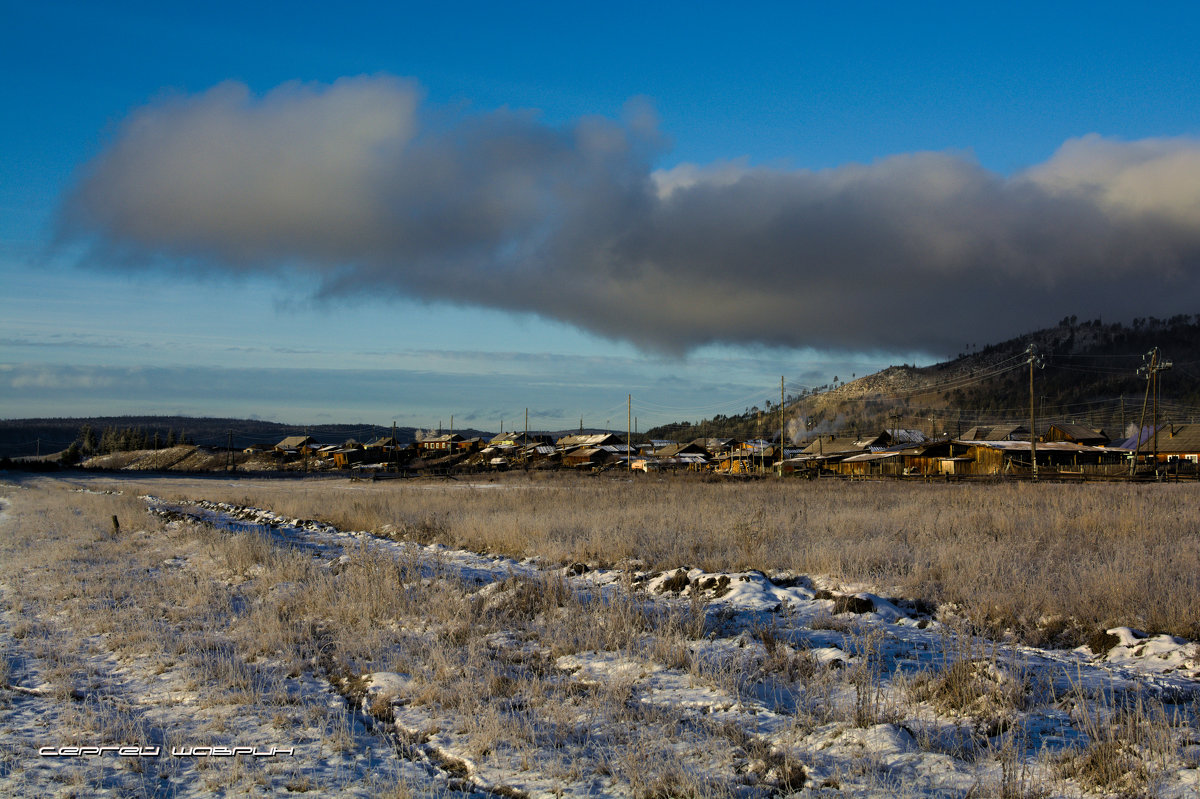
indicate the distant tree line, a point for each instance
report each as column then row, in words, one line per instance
column 120, row 439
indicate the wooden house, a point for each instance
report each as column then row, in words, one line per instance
column 589, row 440
column 1076, row 434
column 825, row 446
column 1013, row 457
column 1179, row 442
column 469, row 445
column 716, row 446
column 676, row 450
column 584, row 457
column 691, row 457
column 299, row 444
column 347, row 457
column 999, row 432
column 440, row 445
column 937, row 458
column 519, row 439
column 886, row 462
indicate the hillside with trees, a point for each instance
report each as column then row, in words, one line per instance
column 1087, row 372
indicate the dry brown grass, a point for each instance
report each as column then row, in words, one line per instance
column 86, row 607
column 241, row 615
column 244, row 614
column 1052, row 563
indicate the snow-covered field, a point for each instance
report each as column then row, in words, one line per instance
column 357, row 664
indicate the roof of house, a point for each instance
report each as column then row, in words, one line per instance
column 1000, row 432
column 906, row 436
column 687, row 458
column 1178, row 438
column 518, row 438
column 714, row 444
column 871, row 456
column 588, row 440
column 1043, row 446
column 445, row 438
column 673, row 450
column 1143, row 436
column 833, row 444
column 294, row 442
column 585, row 453
column 1079, row 432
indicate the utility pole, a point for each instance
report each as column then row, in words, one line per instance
column 231, row 466
column 1148, row 371
column 781, row 426
column 1034, row 360
column 1161, row 366
column 525, row 443
column 629, row 431
column 1154, row 424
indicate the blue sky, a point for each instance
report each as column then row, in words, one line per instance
column 682, row 202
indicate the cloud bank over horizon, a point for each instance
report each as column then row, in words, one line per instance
column 365, row 185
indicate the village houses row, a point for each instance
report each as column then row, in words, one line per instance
column 1002, row 449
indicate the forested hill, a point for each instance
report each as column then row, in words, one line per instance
column 21, row 437
column 1088, row 373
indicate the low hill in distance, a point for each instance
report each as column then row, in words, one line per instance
column 1088, row 374
column 23, row 438
column 26, row 437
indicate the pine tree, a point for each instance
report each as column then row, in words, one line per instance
column 72, row 456
column 87, row 440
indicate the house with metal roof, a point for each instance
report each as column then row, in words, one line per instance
column 999, row 432
column 297, row 444
column 443, row 444
column 1076, row 434
column 1176, row 441
column 589, row 440
column 676, row 450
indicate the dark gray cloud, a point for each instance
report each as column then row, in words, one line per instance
column 366, row 185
